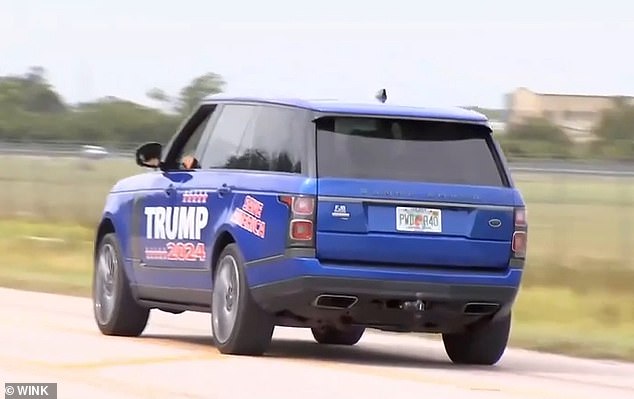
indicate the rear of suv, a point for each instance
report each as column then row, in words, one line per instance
column 416, row 226
column 333, row 216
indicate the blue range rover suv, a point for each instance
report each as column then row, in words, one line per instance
column 326, row 215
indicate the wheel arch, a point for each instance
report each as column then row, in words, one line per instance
column 224, row 238
column 105, row 227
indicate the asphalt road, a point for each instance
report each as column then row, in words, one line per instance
column 49, row 338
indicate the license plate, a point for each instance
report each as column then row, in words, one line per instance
column 419, row 220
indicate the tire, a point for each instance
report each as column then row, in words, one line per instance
column 115, row 310
column 333, row 336
column 481, row 345
column 239, row 325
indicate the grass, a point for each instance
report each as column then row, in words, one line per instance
column 561, row 320
column 576, row 297
column 46, row 257
column 55, row 189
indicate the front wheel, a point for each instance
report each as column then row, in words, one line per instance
column 333, row 336
column 483, row 344
column 239, row 325
column 115, row 309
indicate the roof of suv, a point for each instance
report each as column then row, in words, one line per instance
column 350, row 108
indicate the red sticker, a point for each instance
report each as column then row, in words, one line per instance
column 253, row 206
column 178, row 251
column 249, row 223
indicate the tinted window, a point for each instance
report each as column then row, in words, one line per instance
column 226, row 137
column 407, row 150
column 273, row 142
column 188, row 141
column 192, row 143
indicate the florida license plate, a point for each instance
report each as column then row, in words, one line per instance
column 419, row 220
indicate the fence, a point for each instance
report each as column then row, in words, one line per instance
column 69, row 148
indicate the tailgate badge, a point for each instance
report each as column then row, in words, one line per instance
column 495, row 223
column 340, row 211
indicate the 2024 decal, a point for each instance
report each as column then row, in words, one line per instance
column 177, row 224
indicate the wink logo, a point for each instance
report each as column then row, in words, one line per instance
column 30, row 390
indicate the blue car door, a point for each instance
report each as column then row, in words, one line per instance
column 171, row 224
column 171, row 239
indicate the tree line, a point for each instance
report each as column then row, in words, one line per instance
column 538, row 137
column 32, row 110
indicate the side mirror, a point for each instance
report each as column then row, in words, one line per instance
column 149, row 155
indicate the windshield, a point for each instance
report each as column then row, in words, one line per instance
column 406, row 150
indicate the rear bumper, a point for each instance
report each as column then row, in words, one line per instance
column 289, row 287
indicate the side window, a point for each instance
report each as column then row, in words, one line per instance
column 274, row 142
column 226, row 138
column 191, row 145
column 188, row 141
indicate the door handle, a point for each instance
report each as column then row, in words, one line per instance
column 224, row 190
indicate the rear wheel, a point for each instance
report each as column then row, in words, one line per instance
column 333, row 336
column 240, row 326
column 481, row 345
column 115, row 309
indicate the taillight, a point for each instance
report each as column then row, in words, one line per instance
column 520, row 217
column 301, row 230
column 519, row 243
column 303, row 206
column 301, row 224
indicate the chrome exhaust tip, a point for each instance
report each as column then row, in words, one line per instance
column 333, row 301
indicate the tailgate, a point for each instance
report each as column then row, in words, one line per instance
column 414, row 224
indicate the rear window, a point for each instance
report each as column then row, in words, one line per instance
column 406, row 150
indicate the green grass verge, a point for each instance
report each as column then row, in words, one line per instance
column 45, row 257
column 560, row 320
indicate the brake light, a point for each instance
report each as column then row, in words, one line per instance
column 520, row 217
column 519, row 244
column 304, row 206
column 301, row 230
column 301, row 224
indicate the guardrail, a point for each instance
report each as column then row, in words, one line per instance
column 58, row 150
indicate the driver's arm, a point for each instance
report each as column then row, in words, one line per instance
column 190, row 162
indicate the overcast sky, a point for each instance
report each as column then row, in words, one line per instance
column 424, row 52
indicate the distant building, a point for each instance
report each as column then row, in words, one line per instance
column 578, row 115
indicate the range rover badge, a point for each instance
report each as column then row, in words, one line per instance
column 495, row 223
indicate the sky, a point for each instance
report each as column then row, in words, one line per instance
column 425, row 53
